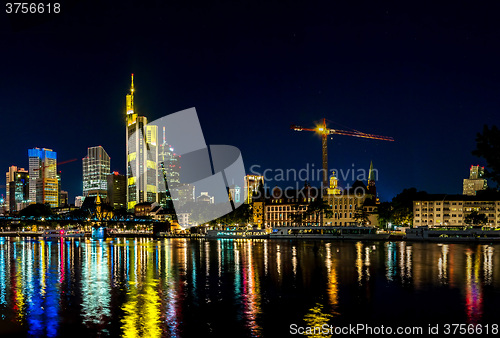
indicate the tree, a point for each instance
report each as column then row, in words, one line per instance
column 361, row 216
column 402, row 206
column 488, row 147
column 36, row 210
column 319, row 208
column 475, row 218
column 385, row 211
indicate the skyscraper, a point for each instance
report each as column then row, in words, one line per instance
column 142, row 156
column 117, row 190
column 475, row 182
column 169, row 170
column 96, row 169
column 252, row 183
column 17, row 189
column 43, row 185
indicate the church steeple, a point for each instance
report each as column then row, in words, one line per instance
column 371, row 182
column 371, row 174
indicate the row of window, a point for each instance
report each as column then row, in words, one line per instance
column 459, row 203
column 448, row 215
column 287, row 208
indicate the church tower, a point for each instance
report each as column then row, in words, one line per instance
column 371, row 182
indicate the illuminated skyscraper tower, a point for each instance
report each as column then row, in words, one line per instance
column 169, row 169
column 17, row 188
column 43, row 185
column 142, row 156
column 96, row 169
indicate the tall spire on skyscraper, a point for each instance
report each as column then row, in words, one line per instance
column 130, row 98
column 131, row 115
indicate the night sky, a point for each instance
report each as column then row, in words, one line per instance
column 427, row 75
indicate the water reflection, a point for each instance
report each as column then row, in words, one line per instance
column 179, row 287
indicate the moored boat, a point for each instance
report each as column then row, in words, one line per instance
column 329, row 232
column 237, row 233
column 57, row 233
column 453, row 234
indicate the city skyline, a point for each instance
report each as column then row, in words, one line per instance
column 428, row 82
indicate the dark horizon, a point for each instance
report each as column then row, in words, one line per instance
column 426, row 76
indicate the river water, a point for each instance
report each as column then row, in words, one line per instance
column 242, row 288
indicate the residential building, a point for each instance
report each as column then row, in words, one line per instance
column 142, row 156
column 475, row 182
column 43, row 182
column 96, row 169
column 441, row 209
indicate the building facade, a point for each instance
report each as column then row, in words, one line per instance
column 169, row 173
column 17, row 188
column 451, row 210
column 142, row 156
column 475, row 182
column 205, row 198
column 43, row 183
column 79, row 201
column 117, row 190
column 349, row 202
column 252, row 183
column 96, row 169
column 288, row 208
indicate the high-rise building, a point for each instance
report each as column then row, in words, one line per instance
column 96, row 169
column 252, row 183
column 43, row 184
column 117, row 190
column 186, row 194
column 475, row 182
column 169, row 170
column 79, row 201
column 142, row 156
column 63, row 198
column 17, row 189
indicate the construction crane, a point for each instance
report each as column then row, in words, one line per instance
column 324, row 132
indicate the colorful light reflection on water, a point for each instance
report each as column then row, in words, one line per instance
column 183, row 288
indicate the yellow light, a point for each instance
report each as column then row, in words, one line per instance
column 320, row 128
